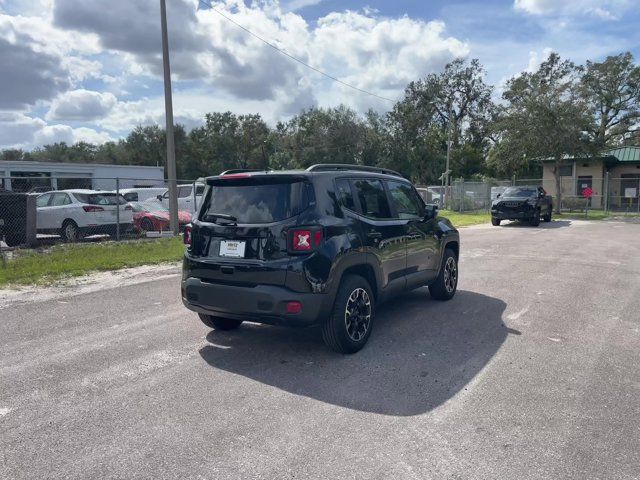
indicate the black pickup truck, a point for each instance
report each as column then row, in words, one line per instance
column 527, row 203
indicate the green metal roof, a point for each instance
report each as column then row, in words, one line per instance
column 610, row 157
column 625, row 154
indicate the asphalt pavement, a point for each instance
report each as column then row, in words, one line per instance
column 531, row 371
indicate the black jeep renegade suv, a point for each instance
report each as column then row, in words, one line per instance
column 319, row 246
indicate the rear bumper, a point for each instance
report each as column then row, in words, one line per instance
column 262, row 303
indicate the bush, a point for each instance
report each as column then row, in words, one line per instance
column 574, row 203
column 467, row 204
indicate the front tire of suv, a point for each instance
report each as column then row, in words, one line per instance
column 535, row 220
column 349, row 326
column 445, row 286
column 219, row 323
column 547, row 217
column 495, row 222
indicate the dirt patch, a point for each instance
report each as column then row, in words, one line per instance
column 87, row 283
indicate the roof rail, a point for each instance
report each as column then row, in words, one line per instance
column 240, row 170
column 323, row 167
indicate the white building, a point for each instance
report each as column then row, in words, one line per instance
column 24, row 176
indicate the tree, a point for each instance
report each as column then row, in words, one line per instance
column 146, row 146
column 543, row 118
column 319, row 135
column 456, row 101
column 12, row 154
column 611, row 90
column 231, row 141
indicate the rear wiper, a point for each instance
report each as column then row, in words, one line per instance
column 223, row 216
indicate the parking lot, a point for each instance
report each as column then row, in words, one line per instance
column 531, row 371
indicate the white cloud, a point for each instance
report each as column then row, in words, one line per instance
column 603, row 9
column 81, row 105
column 359, row 47
column 383, row 54
column 295, row 5
column 21, row 131
column 536, row 59
column 89, row 135
column 17, row 129
column 53, row 134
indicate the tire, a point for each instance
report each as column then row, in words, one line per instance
column 445, row 286
column 535, row 220
column 495, row 222
column 146, row 225
column 547, row 217
column 219, row 323
column 351, row 320
column 70, row 231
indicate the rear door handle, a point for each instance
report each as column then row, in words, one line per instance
column 374, row 235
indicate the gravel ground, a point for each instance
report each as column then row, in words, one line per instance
column 532, row 371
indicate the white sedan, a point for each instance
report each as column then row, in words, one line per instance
column 72, row 214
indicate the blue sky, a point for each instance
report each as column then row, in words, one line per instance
column 75, row 70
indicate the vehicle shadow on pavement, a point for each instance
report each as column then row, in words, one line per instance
column 421, row 353
column 547, row 225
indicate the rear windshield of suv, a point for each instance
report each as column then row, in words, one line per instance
column 257, row 203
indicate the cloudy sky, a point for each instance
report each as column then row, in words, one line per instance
column 90, row 70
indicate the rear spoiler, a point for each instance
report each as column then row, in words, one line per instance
column 255, row 178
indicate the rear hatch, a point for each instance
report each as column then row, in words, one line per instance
column 240, row 235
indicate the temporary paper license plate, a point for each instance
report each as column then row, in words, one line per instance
column 229, row 248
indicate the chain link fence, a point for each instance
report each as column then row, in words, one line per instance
column 609, row 193
column 84, row 208
column 37, row 210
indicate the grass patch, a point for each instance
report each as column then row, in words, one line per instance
column 592, row 215
column 474, row 218
column 59, row 261
column 464, row 219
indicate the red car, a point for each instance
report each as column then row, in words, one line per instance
column 151, row 217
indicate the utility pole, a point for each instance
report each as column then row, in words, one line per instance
column 168, row 107
column 447, row 173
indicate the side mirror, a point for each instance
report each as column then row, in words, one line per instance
column 541, row 194
column 499, row 195
column 431, row 211
column 159, row 197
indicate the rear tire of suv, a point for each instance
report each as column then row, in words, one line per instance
column 445, row 286
column 70, row 232
column 219, row 323
column 349, row 326
column 495, row 222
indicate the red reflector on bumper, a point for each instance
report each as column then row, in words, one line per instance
column 294, row 307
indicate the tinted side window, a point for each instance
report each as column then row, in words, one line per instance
column 344, row 193
column 372, row 198
column 43, row 200
column 404, row 200
column 184, row 192
column 131, row 197
column 60, row 199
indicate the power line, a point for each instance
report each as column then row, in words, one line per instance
column 296, row 59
